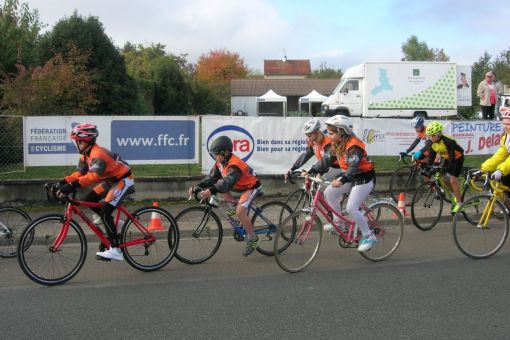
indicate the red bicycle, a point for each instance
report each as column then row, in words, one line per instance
column 53, row 248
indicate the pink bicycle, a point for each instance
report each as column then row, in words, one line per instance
column 383, row 217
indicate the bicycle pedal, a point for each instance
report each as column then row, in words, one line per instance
column 99, row 258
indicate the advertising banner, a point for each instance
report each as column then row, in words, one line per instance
column 139, row 140
column 270, row 145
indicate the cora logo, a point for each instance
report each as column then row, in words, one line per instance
column 241, row 139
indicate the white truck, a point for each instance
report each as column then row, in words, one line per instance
column 401, row 89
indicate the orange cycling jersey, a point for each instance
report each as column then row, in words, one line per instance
column 97, row 166
column 248, row 179
column 364, row 165
column 318, row 148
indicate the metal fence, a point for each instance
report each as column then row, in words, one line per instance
column 11, row 144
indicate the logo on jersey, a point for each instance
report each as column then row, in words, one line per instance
column 242, row 140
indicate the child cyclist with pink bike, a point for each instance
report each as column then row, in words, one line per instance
column 358, row 178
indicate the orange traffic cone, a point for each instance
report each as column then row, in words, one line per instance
column 402, row 204
column 155, row 220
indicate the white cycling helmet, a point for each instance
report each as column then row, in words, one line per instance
column 505, row 112
column 312, row 125
column 341, row 122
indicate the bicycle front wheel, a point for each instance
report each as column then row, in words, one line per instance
column 12, row 223
column 201, row 235
column 266, row 222
column 298, row 200
column 300, row 237
column 480, row 240
column 427, row 206
column 387, row 224
column 45, row 265
column 151, row 255
column 405, row 179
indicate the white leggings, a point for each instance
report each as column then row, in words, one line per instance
column 358, row 194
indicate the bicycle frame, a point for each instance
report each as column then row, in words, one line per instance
column 319, row 204
column 72, row 207
column 239, row 229
column 498, row 190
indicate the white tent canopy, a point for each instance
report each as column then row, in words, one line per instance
column 272, row 97
column 312, row 97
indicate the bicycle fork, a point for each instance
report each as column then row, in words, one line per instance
column 489, row 208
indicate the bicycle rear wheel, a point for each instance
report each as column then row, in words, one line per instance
column 475, row 240
column 40, row 262
column 266, row 223
column 305, row 236
column 387, row 224
column 12, row 223
column 298, row 200
column 150, row 255
column 427, row 206
column 405, row 179
column 201, row 234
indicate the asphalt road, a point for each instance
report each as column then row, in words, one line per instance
column 426, row 290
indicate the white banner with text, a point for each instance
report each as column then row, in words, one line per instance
column 270, row 145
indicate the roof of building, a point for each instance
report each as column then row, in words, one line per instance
column 287, row 67
column 284, row 87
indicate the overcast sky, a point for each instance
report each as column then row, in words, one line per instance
column 339, row 32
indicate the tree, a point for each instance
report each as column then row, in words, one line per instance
column 216, row 69
column 171, row 93
column 163, row 79
column 220, row 67
column 116, row 91
column 61, row 86
column 326, row 72
column 415, row 50
column 19, row 32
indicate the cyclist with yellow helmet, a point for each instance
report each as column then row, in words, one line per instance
column 451, row 153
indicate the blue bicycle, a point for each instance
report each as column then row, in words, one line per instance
column 201, row 230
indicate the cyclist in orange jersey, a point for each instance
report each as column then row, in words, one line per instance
column 358, row 178
column 230, row 173
column 418, row 123
column 99, row 165
column 318, row 145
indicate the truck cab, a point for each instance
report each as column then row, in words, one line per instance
column 346, row 99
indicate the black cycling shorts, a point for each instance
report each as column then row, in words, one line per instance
column 456, row 169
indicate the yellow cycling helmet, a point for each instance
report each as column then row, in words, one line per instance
column 434, row 128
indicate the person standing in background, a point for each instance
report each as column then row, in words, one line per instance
column 488, row 97
column 499, row 91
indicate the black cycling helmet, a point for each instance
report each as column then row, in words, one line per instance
column 220, row 145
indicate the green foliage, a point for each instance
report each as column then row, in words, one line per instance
column 19, row 32
column 162, row 79
column 415, row 50
column 205, row 100
column 171, row 93
column 60, row 87
column 116, row 91
column 325, row 72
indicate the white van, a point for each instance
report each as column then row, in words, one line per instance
column 401, row 89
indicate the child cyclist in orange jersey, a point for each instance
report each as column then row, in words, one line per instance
column 98, row 165
column 358, row 178
column 232, row 173
column 318, row 144
column 418, row 123
column 451, row 153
